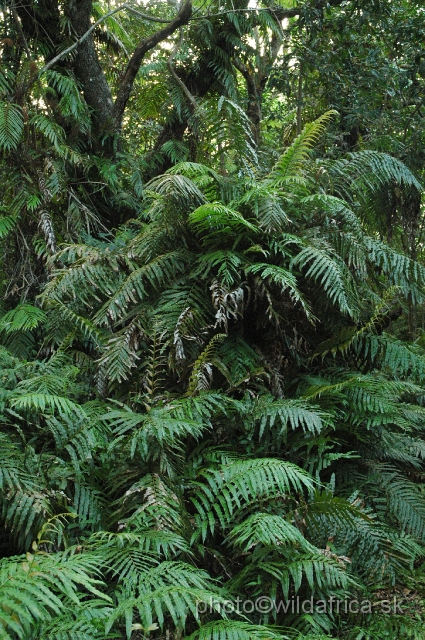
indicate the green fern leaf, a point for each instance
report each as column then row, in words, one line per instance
column 23, row 318
column 11, row 125
column 292, row 163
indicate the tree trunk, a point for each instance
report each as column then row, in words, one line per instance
column 88, row 69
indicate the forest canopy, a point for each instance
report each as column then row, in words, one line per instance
column 212, row 320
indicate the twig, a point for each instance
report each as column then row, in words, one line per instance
column 179, row 81
column 85, row 35
column 19, row 27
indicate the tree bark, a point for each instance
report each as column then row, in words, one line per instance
column 108, row 115
column 88, row 69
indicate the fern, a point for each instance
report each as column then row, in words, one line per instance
column 405, row 499
column 292, row 163
column 201, row 375
column 51, row 130
column 226, row 490
column 225, row 126
column 22, row 318
column 7, row 223
column 215, row 219
column 332, row 274
column 284, row 279
column 135, row 287
column 176, row 432
column 153, row 431
column 28, row 402
column 32, row 586
column 158, row 598
column 268, row 530
column 119, row 355
column 11, row 125
column 366, row 171
column 276, row 415
column 234, row 630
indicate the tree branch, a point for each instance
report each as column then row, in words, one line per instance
column 125, row 6
column 180, row 82
column 20, row 30
column 136, row 59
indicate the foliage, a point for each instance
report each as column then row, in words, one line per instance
column 211, row 369
column 310, row 493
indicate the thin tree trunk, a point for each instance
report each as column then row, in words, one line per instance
column 300, row 101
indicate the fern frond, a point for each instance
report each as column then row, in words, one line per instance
column 171, row 589
column 363, row 172
column 181, row 191
column 275, row 416
column 67, row 315
column 401, row 271
column 293, row 161
column 268, row 530
column 120, row 353
column 242, row 483
column 22, row 318
column 224, row 263
column 28, row 402
column 86, row 622
column 11, row 125
column 150, row 542
column 50, row 129
column 330, row 271
column 201, row 376
column 140, row 283
column 7, row 223
column 34, row 587
column 284, row 279
column 149, row 503
column 267, row 206
column 225, row 127
column 215, row 219
column 234, row 630
column 405, row 499
column 149, row 433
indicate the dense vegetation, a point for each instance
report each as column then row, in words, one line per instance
column 212, row 320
